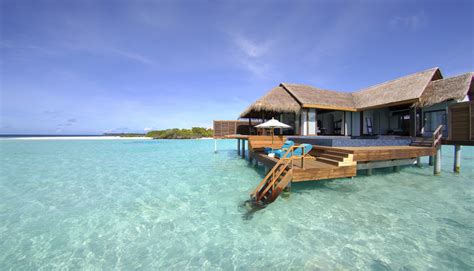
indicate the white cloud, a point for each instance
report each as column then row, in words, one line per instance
column 412, row 21
column 252, row 55
column 147, row 129
column 252, row 48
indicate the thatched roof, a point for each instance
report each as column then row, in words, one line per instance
column 277, row 100
column 422, row 88
column 405, row 88
column 309, row 96
column 454, row 88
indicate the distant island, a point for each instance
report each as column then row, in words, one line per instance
column 175, row 133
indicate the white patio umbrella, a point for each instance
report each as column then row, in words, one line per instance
column 272, row 124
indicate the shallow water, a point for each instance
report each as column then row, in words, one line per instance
column 170, row 204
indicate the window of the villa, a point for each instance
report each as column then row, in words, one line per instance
column 433, row 119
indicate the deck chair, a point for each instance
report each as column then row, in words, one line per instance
column 298, row 152
column 288, row 144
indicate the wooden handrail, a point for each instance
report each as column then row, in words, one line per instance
column 273, row 181
column 270, row 173
column 437, row 136
column 284, row 161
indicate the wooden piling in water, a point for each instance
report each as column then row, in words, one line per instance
column 437, row 158
column 238, row 146
column 243, row 148
column 418, row 161
column 431, row 160
column 457, row 158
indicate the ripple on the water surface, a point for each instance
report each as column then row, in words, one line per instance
column 177, row 205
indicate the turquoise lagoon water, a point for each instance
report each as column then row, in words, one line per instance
column 173, row 205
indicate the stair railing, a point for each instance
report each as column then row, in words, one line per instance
column 437, row 136
column 273, row 175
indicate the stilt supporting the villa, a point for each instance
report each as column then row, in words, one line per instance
column 457, row 158
column 251, row 157
column 369, row 171
column 238, row 146
column 437, row 158
column 418, row 161
column 243, row 148
column 396, row 168
column 431, row 161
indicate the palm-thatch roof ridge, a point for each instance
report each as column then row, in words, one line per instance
column 453, row 88
column 307, row 95
column 277, row 100
column 405, row 88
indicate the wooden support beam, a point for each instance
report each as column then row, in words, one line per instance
column 385, row 164
column 457, row 158
column 431, row 160
column 243, row 148
column 238, row 146
column 437, row 166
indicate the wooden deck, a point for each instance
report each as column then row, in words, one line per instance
column 316, row 170
column 378, row 153
column 324, row 163
column 313, row 170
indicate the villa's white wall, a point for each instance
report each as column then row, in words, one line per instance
column 304, row 122
column 355, row 124
column 348, row 123
column 312, row 122
column 297, row 124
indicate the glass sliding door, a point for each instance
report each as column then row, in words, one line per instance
column 433, row 119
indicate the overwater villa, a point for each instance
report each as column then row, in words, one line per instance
column 334, row 134
column 412, row 105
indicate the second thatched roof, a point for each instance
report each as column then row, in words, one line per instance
column 454, row 88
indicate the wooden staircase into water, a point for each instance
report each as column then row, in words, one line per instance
column 277, row 178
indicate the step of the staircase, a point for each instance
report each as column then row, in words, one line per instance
column 337, row 153
column 333, row 157
column 328, row 161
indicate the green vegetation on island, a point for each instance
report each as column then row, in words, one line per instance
column 195, row 132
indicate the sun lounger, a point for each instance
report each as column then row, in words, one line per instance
column 288, row 144
column 297, row 152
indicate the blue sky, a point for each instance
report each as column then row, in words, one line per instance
column 87, row 67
